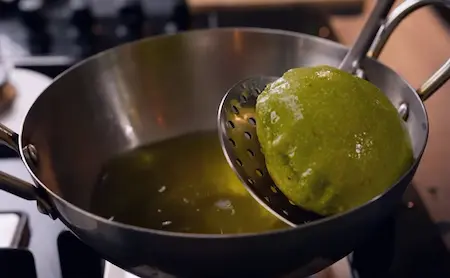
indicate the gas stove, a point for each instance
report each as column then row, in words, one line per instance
column 409, row 244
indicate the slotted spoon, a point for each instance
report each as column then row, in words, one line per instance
column 237, row 127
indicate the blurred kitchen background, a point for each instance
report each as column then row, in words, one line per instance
column 49, row 36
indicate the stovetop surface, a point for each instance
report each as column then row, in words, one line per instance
column 408, row 245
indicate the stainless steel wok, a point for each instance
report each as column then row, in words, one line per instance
column 115, row 101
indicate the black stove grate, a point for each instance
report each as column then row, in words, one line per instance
column 78, row 260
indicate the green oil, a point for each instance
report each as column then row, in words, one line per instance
column 182, row 185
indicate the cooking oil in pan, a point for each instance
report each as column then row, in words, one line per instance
column 182, row 185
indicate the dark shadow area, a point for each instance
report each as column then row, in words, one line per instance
column 408, row 245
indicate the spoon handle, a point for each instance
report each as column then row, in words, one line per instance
column 366, row 36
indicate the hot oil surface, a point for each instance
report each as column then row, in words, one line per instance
column 183, row 185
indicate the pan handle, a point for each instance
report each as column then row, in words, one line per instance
column 441, row 76
column 363, row 42
column 17, row 186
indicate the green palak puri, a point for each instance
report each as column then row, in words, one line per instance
column 332, row 141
